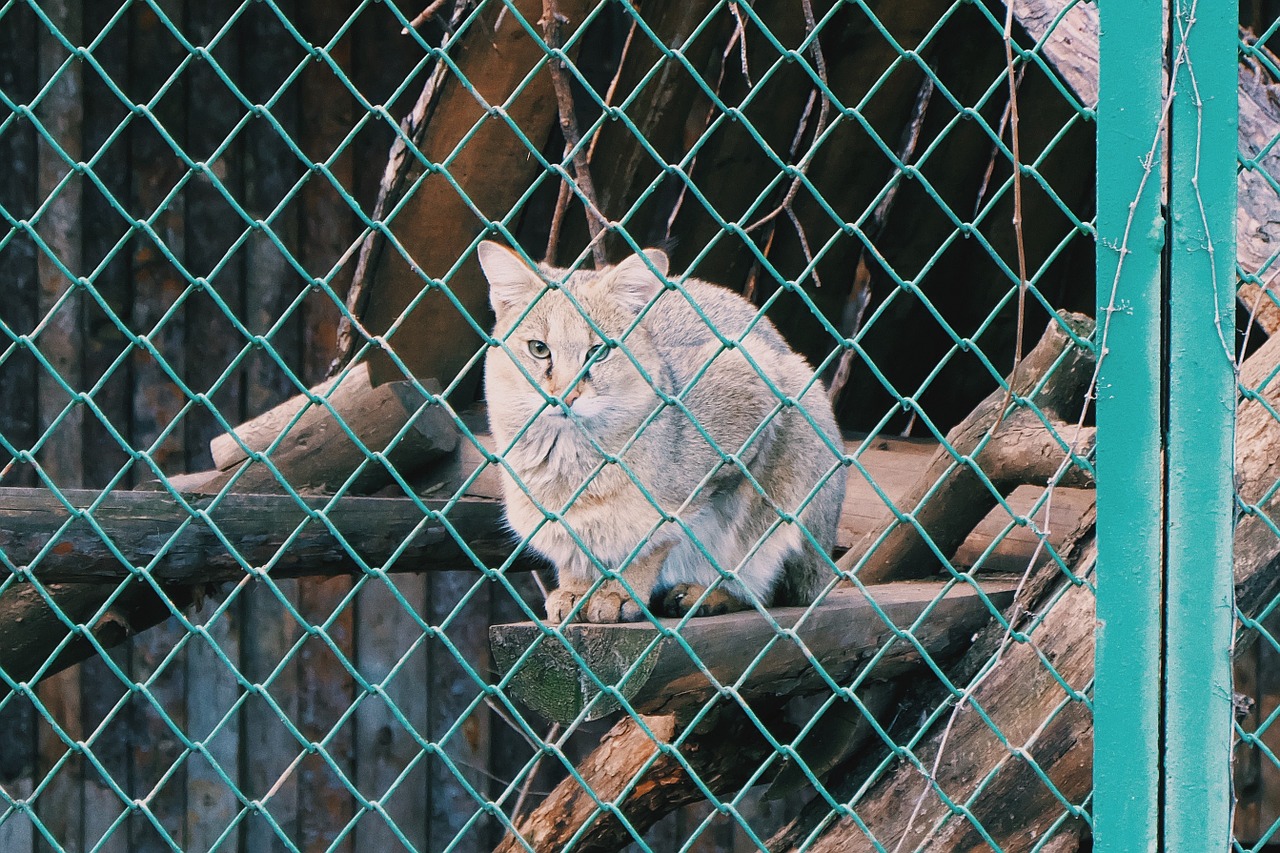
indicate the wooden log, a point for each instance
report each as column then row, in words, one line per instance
column 624, row 756
column 313, row 450
column 31, row 630
column 656, row 675
column 949, row 498
column 147, row 525
column 494, row 54
column 1070, row 43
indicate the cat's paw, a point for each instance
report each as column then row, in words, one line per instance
column 683, row 597
column 560, row 603
column 611, row 603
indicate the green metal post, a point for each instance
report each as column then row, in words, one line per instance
column 1202, row 391
column 1129, row 459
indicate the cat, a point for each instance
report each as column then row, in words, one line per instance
column 596, row 464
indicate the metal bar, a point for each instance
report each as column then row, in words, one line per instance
column 1201, row 406
column 1130, row 246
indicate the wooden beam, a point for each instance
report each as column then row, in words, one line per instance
column 656, row 674
column 276, row 533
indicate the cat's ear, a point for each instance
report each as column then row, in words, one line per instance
column 512, row 282
column 635, row 283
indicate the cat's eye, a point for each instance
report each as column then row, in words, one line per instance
column 538, row 349
column 603, row 351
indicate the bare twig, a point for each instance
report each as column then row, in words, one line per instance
column 435, row 6
column 824, row 108
column 517, row 810
column 740, row 38
column 551, row 23
column 995, row 151
column 820, row 66
column 1017, row 201
column 738, row 34
column 562, row 198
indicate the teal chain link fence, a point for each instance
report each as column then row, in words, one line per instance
column 259, row 592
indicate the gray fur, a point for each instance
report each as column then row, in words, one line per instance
column 720, row 506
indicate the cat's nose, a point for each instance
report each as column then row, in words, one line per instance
column 571, row 395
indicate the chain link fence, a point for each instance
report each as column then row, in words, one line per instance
column 278, row 549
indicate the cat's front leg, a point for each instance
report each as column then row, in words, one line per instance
column 615, row 601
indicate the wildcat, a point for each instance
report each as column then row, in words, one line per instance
column 567, row 407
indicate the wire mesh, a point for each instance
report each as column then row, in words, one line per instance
column 194, row 189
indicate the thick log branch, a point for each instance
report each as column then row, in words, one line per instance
column 283, row 536
column 949, row 498
column 32, row 631
column 659, row 789
column 744, row 649
column 314, row 452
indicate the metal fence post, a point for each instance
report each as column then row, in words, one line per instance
column 1166, row 409
column 1202, row 391
column 1131, row 233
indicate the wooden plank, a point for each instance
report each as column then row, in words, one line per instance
column 212, row 344
column 325, row 230
column 270, row 55
column 212, row 341
column 17, row 832
column 17, row 770
column 153, row 747
column 391, row 639
column 60, row 696
column 103, row 692
column 103, row 228
column 461, row 731
column 840, row 634
column 61, row 340
column 212, row 691
column 18, row 255
column 329, row 227
column 325, row 692
column 157, row 282
column 269, row 773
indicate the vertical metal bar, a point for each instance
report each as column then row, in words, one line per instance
column 1201, row 404
column 1130, row 244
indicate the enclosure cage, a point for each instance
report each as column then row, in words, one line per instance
column 260, row 589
